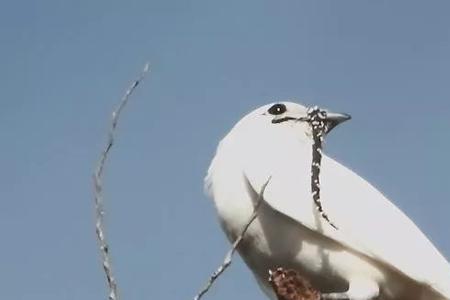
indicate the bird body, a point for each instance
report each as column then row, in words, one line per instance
column 376, row 252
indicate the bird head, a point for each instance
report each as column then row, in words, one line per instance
column 286, row 118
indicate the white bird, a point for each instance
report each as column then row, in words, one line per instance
column 376, row 252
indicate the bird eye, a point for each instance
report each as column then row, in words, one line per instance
column 277, row 109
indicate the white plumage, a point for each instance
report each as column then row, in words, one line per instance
column 377, row 251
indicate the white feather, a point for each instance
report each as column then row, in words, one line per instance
column 368, row 223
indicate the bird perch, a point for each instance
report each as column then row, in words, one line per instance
column 289, row 285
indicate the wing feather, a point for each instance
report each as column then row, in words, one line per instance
column 368, row 222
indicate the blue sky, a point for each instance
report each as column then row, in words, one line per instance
column 65, row 65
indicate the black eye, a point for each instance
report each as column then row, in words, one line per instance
column 277, row 109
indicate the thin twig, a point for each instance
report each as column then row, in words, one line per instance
column 317, row 119
column 228, row 257
column 98, row 188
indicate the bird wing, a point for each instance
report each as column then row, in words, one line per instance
column 367, row 221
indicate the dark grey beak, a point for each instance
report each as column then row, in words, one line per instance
column 334, row 119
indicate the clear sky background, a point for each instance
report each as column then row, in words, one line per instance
column 65, row 65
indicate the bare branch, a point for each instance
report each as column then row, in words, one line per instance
column 228, row 257
column 98, row 188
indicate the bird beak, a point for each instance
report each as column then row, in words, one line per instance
column 334, row 119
